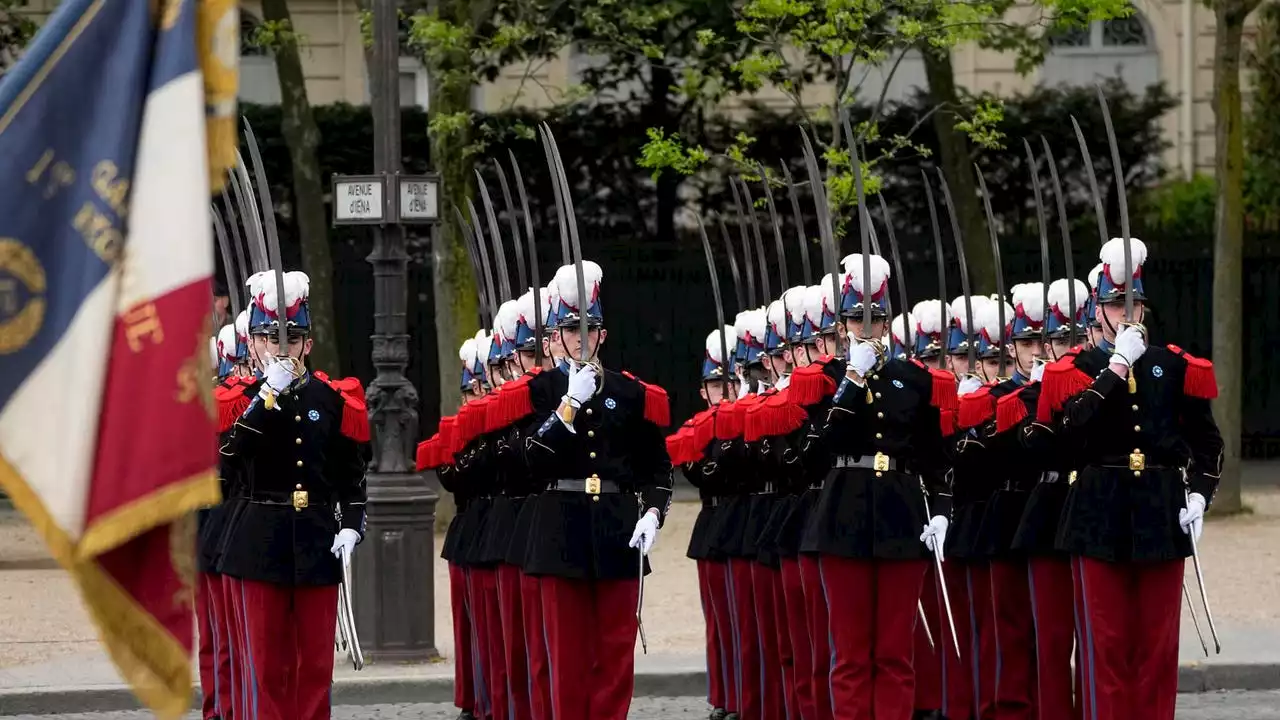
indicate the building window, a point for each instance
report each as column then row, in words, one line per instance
column 258, row 80
column 1106, row 49
column 415, row 86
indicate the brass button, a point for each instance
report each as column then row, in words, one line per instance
column 299, row 463
column 875, row 377
column 879, row 436
column 591, row 433
column 297, row 441
column 1137, row 428
column 1137, row 473
column 877, row 394
column 592, row 455
column 1135, row 408
column 588, row 411
column 297, row 418
column 879, row 414
column 595, row 498
column 298, row 486
column 879, row 474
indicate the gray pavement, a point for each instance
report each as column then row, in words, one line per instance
column 1202, row 706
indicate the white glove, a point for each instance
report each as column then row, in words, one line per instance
column 862, row 357
column 1130, row 344
column 582, row 383
column 1037, row 372
column 1191, row 517
column 346, row 538
column 935, row 534
column 968, row 385
column 279, row 376
column 646, row 533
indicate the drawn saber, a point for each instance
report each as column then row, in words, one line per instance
column 485, row 268
column 964, row 269
column 779, row 246
column 273, row 255
column 995, row 254
column 1044, row 244
column 538, row 317
column 521, row 275
column 1195, row 619
column 344, row 591
column 942, row 270
column 864, row 230
column 495, row 236
column 1204, row 595
column 766, row 293
column 565, row 257
column 738, row 288
column 1066, row 241
column 793, row 193
column 830, row 261
column 229, row 270
column 242, row 190
column 469, row 240
column 744, row 234
column 1124, row 206
column 237, row 240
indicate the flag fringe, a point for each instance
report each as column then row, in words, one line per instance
column 153, row 662
column 160, row 507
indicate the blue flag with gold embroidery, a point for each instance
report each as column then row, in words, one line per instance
column 114, row 128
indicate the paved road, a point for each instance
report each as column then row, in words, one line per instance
column 1206, row 706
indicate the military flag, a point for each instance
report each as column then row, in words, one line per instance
column 113, row 128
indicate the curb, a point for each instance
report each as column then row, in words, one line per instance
column 1192, row 678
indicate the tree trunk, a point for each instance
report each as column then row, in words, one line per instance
column 658, row 113
column 1228, row 242
column 956, row 163
column 298, row 125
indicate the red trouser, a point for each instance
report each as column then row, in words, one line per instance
column 958, row 703
column 1015, row 641
column 484, row 587
column 928, row 657
column 290, row 633
column 772, row 700
column 1051, row 608
column 591, row 638
column 819, row 635
column 237, row 640
column 742, row 600
column 872, row 636
column 782, row 628
column 715, row 658
column 464, row 691
column 516, row 660
column 1131, row 615
column 1084, row 653
column 982, row 636
column 798, row 633
column 722, row 609
column 215, row 664
column 536, row 647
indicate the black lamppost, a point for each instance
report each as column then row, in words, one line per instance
column 394, row 579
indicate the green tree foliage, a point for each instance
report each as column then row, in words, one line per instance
column 16, row 30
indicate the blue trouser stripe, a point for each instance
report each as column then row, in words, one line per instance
column 974, row 643
column 551, row 669
column 1035, row 628
column 1088, row 633
column 248, row 645
column 737, row 641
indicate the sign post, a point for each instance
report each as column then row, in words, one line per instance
column 394, row 579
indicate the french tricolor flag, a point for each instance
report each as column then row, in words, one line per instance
column 111, row 128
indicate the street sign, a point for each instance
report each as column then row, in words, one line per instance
column 419, row 198
column 358, row 200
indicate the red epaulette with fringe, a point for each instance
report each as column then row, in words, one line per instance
column 810, row 384
column 444, row 447
column 729, row 419
column 1201, row 381
column 704, row 431
column 355, row 415
column 1010, row 410
column 678, row 444
column 427, row 453
column 517, row 402
column 943, row 387
column 493, row 415
column 232, row 401
column 948, row 421
column 976, row 408
column 657, row 406
column 1062, row 380
column 775, row 415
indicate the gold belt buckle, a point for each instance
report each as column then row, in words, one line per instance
column 300, row 499
column 592, row 486
column 881, row 462
column 1137, row 461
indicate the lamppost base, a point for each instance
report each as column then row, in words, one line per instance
column 395, row 570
